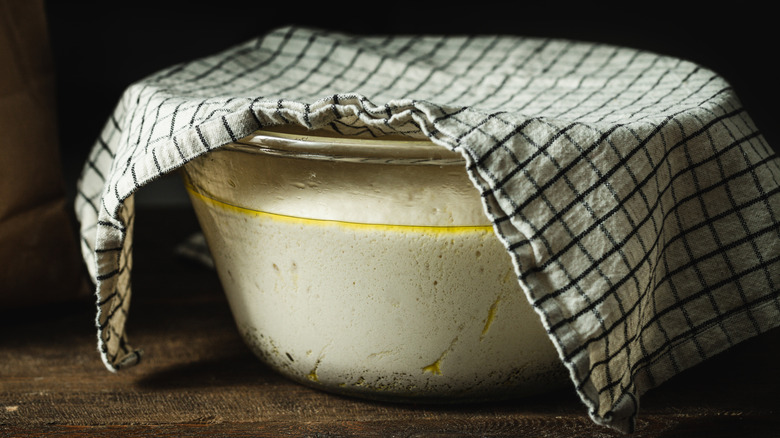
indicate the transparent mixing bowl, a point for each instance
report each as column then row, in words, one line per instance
column 367, row 267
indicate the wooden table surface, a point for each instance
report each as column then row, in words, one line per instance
column 197, row 377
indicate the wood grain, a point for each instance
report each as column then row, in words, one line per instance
column 197, row 377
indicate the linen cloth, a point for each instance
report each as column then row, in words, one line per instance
column 637, row 199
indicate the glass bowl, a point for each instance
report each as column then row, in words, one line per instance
column 367, row 267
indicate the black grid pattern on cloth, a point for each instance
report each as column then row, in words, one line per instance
column 636, row 198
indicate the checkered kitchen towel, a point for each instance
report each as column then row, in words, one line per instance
column 636, row 197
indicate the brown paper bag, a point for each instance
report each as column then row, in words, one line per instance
column 39, row 258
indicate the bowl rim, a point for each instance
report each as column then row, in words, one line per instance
column 300, row 142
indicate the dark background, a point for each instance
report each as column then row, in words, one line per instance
column 101, row 47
